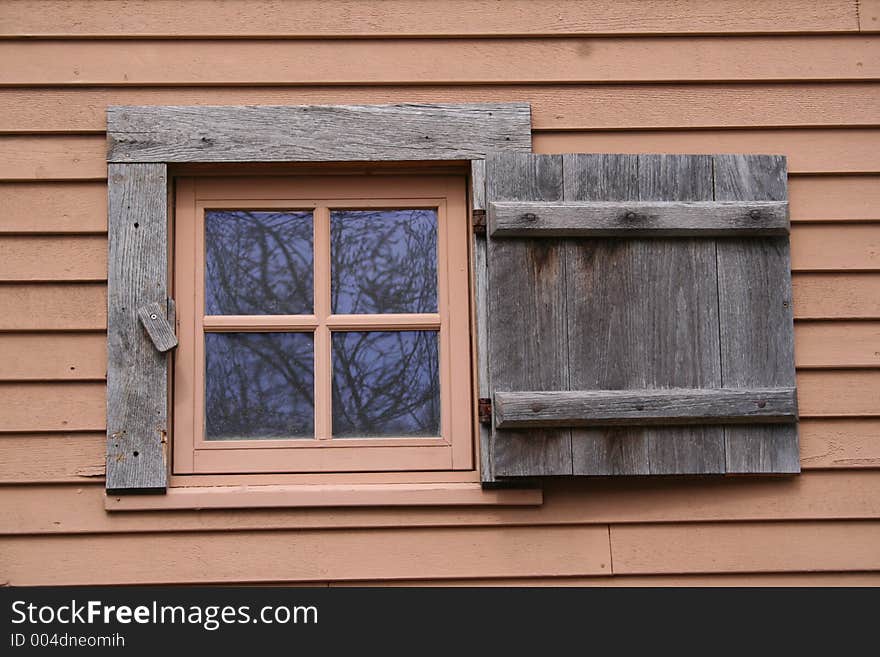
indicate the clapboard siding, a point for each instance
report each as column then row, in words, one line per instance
column 53, row 207
column 394, row 18
column 818, row 495
column 554, row 107
column 837, row 247
column 814, row 151
column 53, row 356
column 796, row 78
column 747, row 547
column 52, row 458
column 53, row 407
column 834, row 198
column 71, row 258
column 439, row 61
column 836, row 296
column 824, row 344
column 83, row 306
column 308, row 555
column 826, row 444
column 810, row 151
column 864, row 579
column 80, row 406
column 53, row 307
column 81, row 207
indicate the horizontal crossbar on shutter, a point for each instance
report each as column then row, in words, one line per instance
column 534, row 409
column 639, row 219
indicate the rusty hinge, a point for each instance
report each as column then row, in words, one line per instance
column 479, row 222
column 484, row 410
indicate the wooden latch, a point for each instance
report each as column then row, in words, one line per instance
column 160, row 330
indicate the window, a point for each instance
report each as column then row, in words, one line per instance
column 633, row 313
column 323, row 324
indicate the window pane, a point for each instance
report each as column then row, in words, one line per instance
column 385, row 384
column 258, row 262
column 383, row 261
column 259, row 385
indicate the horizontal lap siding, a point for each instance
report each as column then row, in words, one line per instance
column 368, row 18
column 798, row 79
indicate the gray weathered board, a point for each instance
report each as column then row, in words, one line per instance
column 638, row 219
column 673, row 406
column 137, row 373
column 756, row 315
column 316, row 133
column 528, row 348
column 632, row 312
column 158, row 326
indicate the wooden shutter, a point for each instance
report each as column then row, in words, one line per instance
column 639, row 315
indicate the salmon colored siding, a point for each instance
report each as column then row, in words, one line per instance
column 797, row 78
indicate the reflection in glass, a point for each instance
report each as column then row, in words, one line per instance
column 383, row 261
column 258, row 262
column 385, row 383
column 259, row 385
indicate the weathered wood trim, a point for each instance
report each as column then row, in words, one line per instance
column 316, row 133
column 639, row 219
column 579, row 408
column 160, row 330
column 143, row 140
column 137, row 374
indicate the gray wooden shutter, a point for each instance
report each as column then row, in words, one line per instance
column 639, row 315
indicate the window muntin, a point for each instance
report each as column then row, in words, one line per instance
column 383, row 364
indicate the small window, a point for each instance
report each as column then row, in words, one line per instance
column 324, row 325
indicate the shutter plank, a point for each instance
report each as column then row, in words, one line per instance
column 481, row 294
column 137, row 374
column 757, row 334
column 528, row 348
column 643, row 314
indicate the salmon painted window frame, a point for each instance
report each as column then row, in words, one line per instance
column 148, row 147
column 318, row 197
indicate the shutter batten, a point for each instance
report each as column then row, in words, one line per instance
column 639, row 219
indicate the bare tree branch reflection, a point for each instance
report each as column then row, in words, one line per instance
column 259, row 385
column 383, row 261
column 258, row 262
column 386, row 383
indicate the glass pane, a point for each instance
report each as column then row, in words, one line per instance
column 258, row 262
column 259, row 385
column 383, row 261
column 385, row 384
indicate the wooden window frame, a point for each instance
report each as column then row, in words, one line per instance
column 451, row 451
column 143, row 143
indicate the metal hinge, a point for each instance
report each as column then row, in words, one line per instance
column 484, row 410
column 479, row 222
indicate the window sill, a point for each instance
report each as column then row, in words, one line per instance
column 277, row 496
